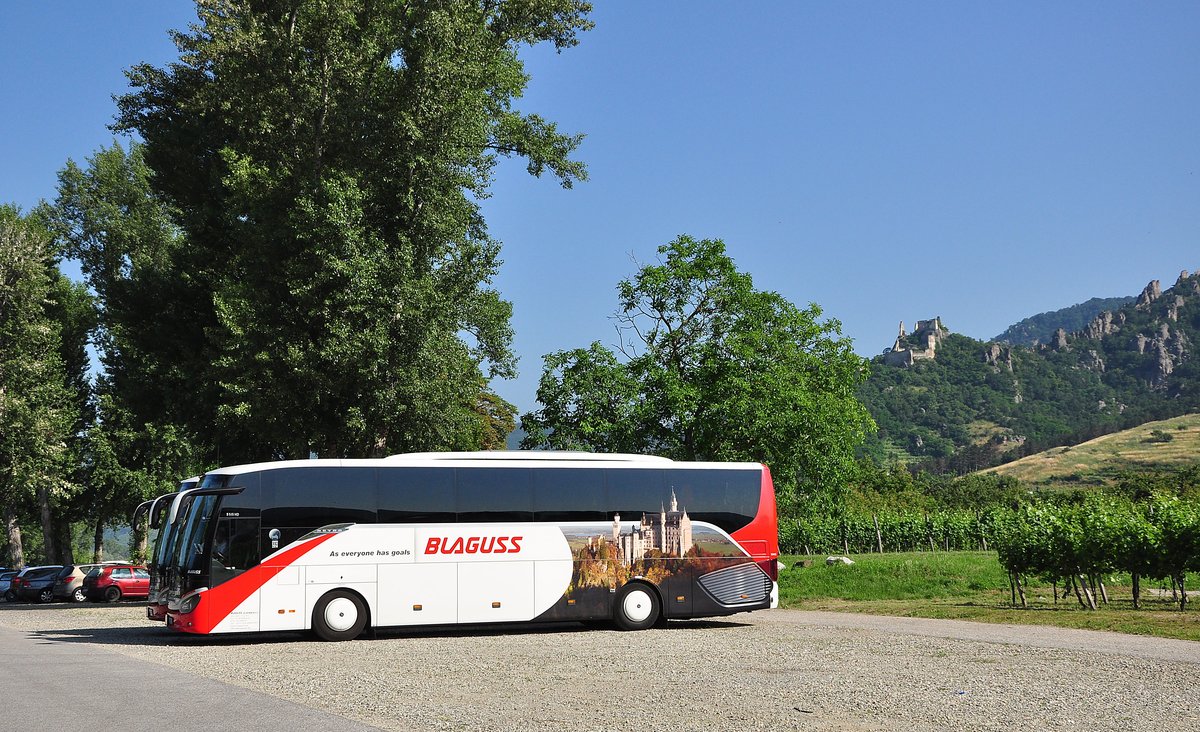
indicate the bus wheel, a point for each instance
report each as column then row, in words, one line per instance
column 339, row 615
column 637, row 607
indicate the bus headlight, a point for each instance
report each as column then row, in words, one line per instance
column 189, row 603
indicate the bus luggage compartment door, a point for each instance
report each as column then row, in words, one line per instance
column 495, row 592
column 418, row 594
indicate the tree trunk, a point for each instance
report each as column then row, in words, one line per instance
column 1103, row 590
column 1183, row 598
column 1137, row 591
column 43, row 495
column 1021, row 592
column 878, row 536
column 1054, row 588
column 1174, row 590
column 66, row 551
column 137, row 543
column 98, row 542
column 1012, row 589
column 16, row 552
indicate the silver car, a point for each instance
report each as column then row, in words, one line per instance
column 6, row 579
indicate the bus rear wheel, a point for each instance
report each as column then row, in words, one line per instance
column 637, row 607
column 339, row 615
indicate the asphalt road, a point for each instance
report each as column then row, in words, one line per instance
column 52, row 685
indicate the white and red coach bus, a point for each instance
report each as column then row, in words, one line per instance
column 441, row 538
column 163, row 513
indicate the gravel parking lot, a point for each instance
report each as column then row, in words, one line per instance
column 770, row 670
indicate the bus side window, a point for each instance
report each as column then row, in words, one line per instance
column 569, row 494
column 235, row 544
column 494, row 494
column 416, row 496
column 726, row 498
column 634, row 491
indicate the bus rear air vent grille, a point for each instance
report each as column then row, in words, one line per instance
column 740, row 585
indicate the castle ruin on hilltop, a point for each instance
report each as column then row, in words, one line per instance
column 927, row 336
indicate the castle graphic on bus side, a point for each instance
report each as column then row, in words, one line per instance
column 669, row 532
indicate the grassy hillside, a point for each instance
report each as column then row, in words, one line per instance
column 1169, row 444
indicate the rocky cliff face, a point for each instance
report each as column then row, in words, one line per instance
column 955, row 395
column 1151, row 339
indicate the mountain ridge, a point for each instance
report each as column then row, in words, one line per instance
column 969, row 403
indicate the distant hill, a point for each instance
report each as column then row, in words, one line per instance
column 1155, row 446
column 961, row 404
column 1040, row 328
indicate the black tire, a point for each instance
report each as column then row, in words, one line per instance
column 46, row 595
column 10, row 596
column 78, row 595
column 339, row 615
column 637, row 607
column 112, row 593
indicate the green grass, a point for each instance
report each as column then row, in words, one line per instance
column 972, row 586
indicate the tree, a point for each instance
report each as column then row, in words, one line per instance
column 324, row 160
column 710, row 369
column 36, row 406
column 129, row 249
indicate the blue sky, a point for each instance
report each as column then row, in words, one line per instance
column 888, row 161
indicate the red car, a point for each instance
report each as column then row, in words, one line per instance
column 113, row 582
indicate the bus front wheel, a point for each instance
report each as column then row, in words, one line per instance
column 339, row 615
column 637, row 607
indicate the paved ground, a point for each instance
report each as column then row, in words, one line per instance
column 775, row 670
column 51, row 685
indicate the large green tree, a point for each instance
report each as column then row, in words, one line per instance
column 37, row 407
column 324, row 161
column 710, row 368
column 130, row 252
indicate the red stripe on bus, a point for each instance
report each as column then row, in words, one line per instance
column 760, row 538
column 217, row 603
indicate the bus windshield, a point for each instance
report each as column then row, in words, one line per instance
column 192, row 533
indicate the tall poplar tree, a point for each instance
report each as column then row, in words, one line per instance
column 36, row 406
column 324, row 161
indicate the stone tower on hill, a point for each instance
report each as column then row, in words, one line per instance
column 927, row 336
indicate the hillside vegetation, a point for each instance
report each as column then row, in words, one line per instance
column 958, row 404
column 1152, row 447
column 1040, row 328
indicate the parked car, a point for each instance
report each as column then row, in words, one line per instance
column 6, row 579
column 69, row 583
column 113, row 582
column 35, row 583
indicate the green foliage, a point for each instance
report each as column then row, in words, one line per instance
column 323, row 165
column 960, row 413
column 711, row 369
column 38, row 408
column 1160, row 436
column 1040, row 328
column 1097, row 533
